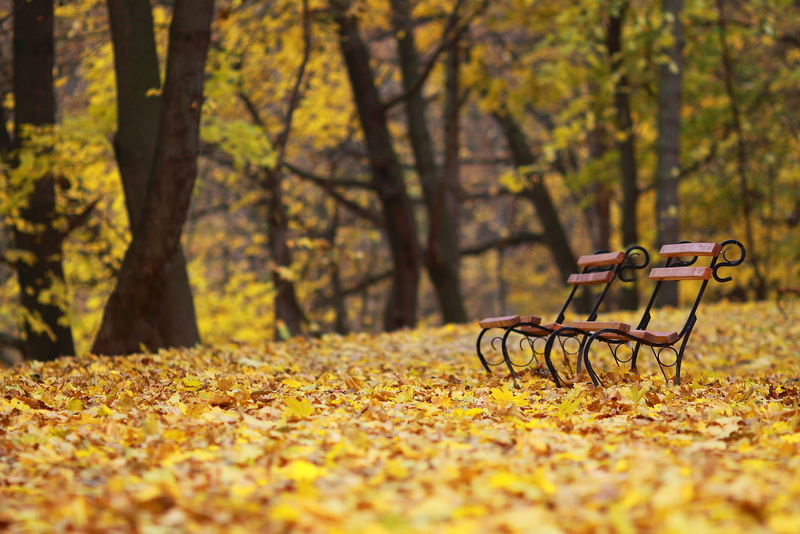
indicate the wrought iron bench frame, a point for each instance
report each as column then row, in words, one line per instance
column 616, row 334
column 599, row 268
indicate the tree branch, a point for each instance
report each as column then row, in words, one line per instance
column 296, row 95
column 503, row 242
column 328, row 185
column 452, row 31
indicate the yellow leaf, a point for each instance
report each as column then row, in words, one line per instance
column 301, row 470
column 299, row 408
column 292, row 383
column 192, row 383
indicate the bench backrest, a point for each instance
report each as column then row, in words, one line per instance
column 602, row 268
column 676, row 269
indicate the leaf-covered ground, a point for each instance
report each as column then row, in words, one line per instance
column 406, row 433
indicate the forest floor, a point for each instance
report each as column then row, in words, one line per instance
column 405, row 432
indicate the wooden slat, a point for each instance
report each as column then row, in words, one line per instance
column 510, row 320
column 681, row 273
column 588, row 279
column 690, row 249
column 499, row 322
column 545, row 329
column 593, row 326
column 648, row 336
column 598, row 260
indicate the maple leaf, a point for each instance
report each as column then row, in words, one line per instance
column 299, row 408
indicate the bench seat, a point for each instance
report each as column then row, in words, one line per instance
column 533, row 331
column 509, row 320
column 649, row 336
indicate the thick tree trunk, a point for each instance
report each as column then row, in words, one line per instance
column 137, row 71
column 131, row 317
column 626, row 146
column 668, row 145
column 387, row 175
column 35, row 105
column 442, row 259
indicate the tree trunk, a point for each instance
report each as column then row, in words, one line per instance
column 387, row 175
column 131, row 317
column 754, row 253
column 137, row 72
column 289, row 317
column 554, row 235
column 628, row 296
column 442, row 259
column 668, row 145
column 34, row 49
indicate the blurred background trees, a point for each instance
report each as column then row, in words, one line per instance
column 378, row 164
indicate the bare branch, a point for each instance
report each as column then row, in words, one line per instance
column 328, row 185
column 452, row 32
column 296, row 95
column 503, row 242
column 79, row 219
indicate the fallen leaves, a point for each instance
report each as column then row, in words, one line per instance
column 405, row 432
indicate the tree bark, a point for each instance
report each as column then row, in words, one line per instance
column 668, row 145
column 137, row 73
column 131, row 318
column 754, row 252
column 387, row 174
column 34, row 55
column 554, row 235
column 628, row 296
column 289, row 317
column 439, row 185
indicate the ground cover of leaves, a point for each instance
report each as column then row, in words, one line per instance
column 406, row 433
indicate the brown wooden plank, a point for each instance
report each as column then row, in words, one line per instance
column 530, row 319
column 545, row 329
column 681, row 273
column 598, row 260
column 593, row 326
column 648, row 336
column 500, row 322
column 588, row 279
column 690, row 249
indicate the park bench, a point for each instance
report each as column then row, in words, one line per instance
column 679, row 266
column 601, row 268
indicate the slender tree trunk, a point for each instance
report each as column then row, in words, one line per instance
column 131, row 317
column 34, row 52
column 138, row 105
column 442, row 258
column 387, row 175
column 289, row 317
column 554, row 235
column 629, row 298
column 754, row 256
column 668, row 145
column 598, row 213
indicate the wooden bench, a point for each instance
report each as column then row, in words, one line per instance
column 675, row 269
column 597, row 269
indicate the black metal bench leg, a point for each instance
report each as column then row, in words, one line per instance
column 506, row 357
column 480, row 354
column 592, row 374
